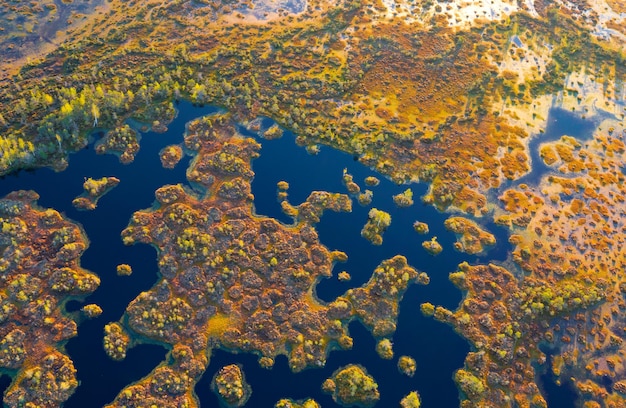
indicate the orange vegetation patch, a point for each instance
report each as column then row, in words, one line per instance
column 40, row 271
column 568, row 241
column 505, row 318
column 471, row 238
column 94, row 190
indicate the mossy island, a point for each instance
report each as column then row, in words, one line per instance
column 352, row 386
column 289, row 403
column 365, row 198
column 91, row 311
column 124, row 270
column 94, row 189
column 433, row 247
column 471, row 239
column 421, row 227
column 407, row 365
column 344, row 276
column 282, row 194
column 371, row 181
column 404, row 199
column 230, row 385
column 412, row 400
column 123, row 141
column 40, row 271
column 377, row 223
column 170, row 156
column 348, row 181
column 384, row 348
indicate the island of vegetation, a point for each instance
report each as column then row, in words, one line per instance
column 348, row 181
column 412, row 400
column 123, row 141
column 407, row 365
column 365, row 198
column 170, row 156
column 352, row 386
column 433, row 247
column 344, row 276
column 94, row 190
column 377, row 223
column 384, row 348
column 289, row 403
column 230, row 385
column 242, row 282
column 40, row 271
column 124, row 270
column 404, row 199
column 421, row 227
column 91, row 311
column 471, row 239
column 371, row 181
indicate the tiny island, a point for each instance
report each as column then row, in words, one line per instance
column 377, row 223
column 95, row 189
column 230, row 385
column 471, row 238
column 352, row 386
column 171, row 156
column 123, row 141
column 289, row 403
column 432, row 246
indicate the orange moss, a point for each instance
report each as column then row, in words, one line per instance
column 548, row 154
column 41, row 271
column 170, row 156
column 471, row 238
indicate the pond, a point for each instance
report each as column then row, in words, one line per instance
column 560, row 123
column 438, row 350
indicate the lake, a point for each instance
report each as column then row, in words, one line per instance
column 438, row 350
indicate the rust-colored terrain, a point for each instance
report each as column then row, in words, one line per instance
column 452, row 94
column 40, row 271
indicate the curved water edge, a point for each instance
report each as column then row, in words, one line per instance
column 435, row 346
column 560, row 123
column 561, row 395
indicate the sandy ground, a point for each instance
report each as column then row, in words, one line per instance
column 459, row 13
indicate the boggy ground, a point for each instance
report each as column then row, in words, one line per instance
column 421, row 100
column 40, row 271
column 441, row 98
column 234, row 280
column 564, row 287
column 94, row 190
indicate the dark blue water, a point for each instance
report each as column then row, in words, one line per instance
column 5, row 381
column 437, row 349
column 557, row 396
